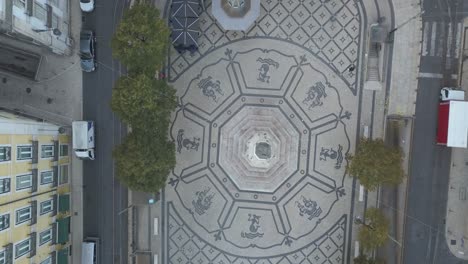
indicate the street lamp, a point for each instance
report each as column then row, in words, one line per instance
column 358, row 220
column 56, row 31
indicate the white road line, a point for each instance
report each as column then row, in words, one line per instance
column 433, row 36
column 431, row 75
column 458, row 40
column 449, row 40
column 425, row 38
column 454, row 76
column 440, row 48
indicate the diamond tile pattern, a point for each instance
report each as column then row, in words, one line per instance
column 328, row 249
column 312, row 24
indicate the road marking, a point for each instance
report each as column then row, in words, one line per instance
column 449, row 40
column 356, row 249
column 430, row 75
column 458, row 40
column 425, row 37
column 433, row 35
column 361, row 193
column 440, row 48
column 156, row 226
column 454, row 76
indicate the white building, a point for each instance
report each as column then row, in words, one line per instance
column 41, row 22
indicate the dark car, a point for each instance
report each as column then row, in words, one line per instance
column 88, row 50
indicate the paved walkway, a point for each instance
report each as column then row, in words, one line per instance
column 278, row 97
column 456, row 232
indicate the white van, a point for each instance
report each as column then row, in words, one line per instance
column 83, row 139
column 90, row 251
column 449, row 93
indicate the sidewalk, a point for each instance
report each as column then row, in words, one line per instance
column 456, row 228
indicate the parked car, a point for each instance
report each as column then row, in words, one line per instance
column 88, row 50
column 87, row 5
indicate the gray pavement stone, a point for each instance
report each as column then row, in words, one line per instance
column 285, row 83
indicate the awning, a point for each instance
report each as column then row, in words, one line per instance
column 185, row 8
column 184, row 31
column 64, row 203
column 63, row 230
column 62, row 256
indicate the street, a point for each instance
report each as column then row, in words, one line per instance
column 429, row 166
column 103, row 196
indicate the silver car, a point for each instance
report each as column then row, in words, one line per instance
column 88, row 50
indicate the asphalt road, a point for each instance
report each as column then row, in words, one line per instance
column 103, row 197
column 428, row 182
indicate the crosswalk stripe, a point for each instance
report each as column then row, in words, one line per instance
column 458, row 40
column 440, row 48
column 449, row 40
column 433, row 34
column 425, row 37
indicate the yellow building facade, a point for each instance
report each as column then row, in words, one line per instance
column 34, row 191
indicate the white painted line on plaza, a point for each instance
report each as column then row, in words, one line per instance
column 356, row 249
column 433, row 36
column 156, row 226
column 361, row 193
column 458, row 40
column 430, row 75
column 425, row 38
column 449, row 41
column 440, row 48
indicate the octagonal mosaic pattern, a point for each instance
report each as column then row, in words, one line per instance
column 262, row 130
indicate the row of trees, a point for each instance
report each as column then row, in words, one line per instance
column 146, row 156
column 373, row 164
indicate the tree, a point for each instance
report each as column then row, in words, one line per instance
column 143, row 163
column 144, row 103
column 373, row 232
column 375, row 163
column 363, row 259
column 141, row 39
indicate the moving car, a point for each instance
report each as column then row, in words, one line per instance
column 449, row 93
column 83, row 139
column 88, row 50
column 87, row 5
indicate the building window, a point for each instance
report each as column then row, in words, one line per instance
column 39, row 12
column 5, row 154
column 22, row 248
column 23, row 181
column 20, row 4
column 24, row 152
column 47, row 177
column 46, row 261
column 63, row 179
column 23, row 215
column 47, row 206
column 47, row 151
column 63, row 150
column 5, row 185
column 45, row 236
column 3, row 257
column 4, row 222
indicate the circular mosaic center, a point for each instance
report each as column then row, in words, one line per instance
column 263, row 150
column 260, row 148
column 236, row 3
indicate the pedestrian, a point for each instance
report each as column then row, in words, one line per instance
column 351, row 68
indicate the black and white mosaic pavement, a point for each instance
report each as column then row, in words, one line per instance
column 264, row 123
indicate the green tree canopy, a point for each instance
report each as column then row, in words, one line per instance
column 373, row 232
column 143, row 163
column 375, row 163
column 144, row 102
column 363, row 259
column 141, row 39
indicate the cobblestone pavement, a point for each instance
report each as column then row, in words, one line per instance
column 264, row 123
